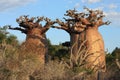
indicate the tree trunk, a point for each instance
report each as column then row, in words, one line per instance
column 36, row 43
column 95, row 47
column 74, row 39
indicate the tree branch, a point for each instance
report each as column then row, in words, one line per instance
column 63, row 28
column 17, row 28
column 47, row 25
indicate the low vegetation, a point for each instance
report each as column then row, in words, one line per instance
column 20, row 65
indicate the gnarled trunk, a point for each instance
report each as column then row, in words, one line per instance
column 36, row 43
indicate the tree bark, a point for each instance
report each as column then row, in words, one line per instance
column 74, row 46
column 95, row 47
column 36, row 43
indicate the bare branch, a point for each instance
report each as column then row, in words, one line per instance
column 100, row 22
column 61, row 27
column 39, row 19
column 107, row 22
column 70, row 13
column 61, row 23
column 48, row 24
column 31, row 19
column 18, row 28
column 86, row 8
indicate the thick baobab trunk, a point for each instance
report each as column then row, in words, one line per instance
column 95, row 47
column 36, row 43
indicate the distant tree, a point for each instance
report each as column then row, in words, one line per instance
column 116, row 53
column 2, row 37
column 7, row 38
column 12, row 40
column 113, row 64
column 3, row 34
column 62, row 53
column 67, row 44
column 110, row 58
column 57, row 52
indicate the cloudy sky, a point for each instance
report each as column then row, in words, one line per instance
column 12, row 9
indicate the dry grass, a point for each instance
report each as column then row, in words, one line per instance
column 14, row 65
column 53, row 70
column 20, row 65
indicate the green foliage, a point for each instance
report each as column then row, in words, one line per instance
column 7, row 38
column 58, row 52
column 113, row 72
column 3, row 36
column 110, row 57
column 62, row 53
column 11, row 39
column 116, row 53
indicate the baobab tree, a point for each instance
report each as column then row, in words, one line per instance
column 94, row 41
column 83, row 30
column 36, row 41
column 74, row 27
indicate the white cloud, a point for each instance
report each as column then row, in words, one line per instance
column 8, row 4
column 83, row 1
column 99, row 8
column 77, row 5
column 91, row 1
column 70, row 1
column 112, row 6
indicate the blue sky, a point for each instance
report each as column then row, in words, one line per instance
column 12, row 9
